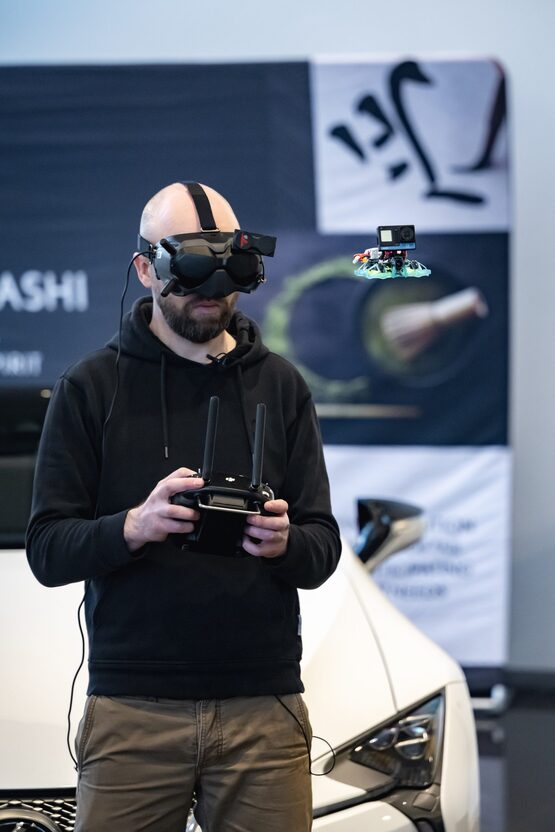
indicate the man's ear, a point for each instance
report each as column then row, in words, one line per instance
column 145, row 271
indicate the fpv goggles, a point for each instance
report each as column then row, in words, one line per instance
column 210, row 263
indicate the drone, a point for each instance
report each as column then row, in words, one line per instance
column 389, row 258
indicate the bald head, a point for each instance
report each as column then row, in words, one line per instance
column 172, row 211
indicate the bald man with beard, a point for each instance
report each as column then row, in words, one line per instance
column 181, row 323
column 194, row 657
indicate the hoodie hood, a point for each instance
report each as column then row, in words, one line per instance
column 138, row 340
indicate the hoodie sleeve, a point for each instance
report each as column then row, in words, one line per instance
column 65, row 542
column 314, row 542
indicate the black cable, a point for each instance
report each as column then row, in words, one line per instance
column 118, row 356
column 307, row 743
column 79, row 608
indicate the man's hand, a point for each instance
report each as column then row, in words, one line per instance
column 272, row 531
column 156, row 518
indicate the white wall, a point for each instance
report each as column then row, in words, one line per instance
column 520, row 35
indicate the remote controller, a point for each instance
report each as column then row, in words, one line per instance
column 225, row 500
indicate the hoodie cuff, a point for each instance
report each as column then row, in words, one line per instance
column 112, row 542
column 287, row 565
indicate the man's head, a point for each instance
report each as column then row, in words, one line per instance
column 169, row 212
column 172, row 211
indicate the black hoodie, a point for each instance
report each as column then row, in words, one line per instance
column 161, row 621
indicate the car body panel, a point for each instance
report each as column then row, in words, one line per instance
column 415, row 664
column 370, row 817
column 41, row 646
column 345, row 679
column 460, row 787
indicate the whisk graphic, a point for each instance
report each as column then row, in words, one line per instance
column 411, row 328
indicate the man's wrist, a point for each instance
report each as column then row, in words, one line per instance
column 131, row 534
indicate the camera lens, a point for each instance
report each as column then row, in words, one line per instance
column 407, row 234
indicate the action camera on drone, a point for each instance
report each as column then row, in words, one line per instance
column 209, row 263
column 398, row 237
column 225, row 500
column 389, row 257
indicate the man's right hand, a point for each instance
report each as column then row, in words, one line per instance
column 156, row 518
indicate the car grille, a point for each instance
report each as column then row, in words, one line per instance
column 47, row 813
column 40, row 813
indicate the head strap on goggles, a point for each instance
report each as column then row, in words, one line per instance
column 202, row 205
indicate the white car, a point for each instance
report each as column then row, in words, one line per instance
column 392, row 705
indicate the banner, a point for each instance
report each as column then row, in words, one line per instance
column 454, row 583
column 410, row 141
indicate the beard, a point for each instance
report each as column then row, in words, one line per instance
column 183, row 322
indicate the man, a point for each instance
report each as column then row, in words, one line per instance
column 193, row 656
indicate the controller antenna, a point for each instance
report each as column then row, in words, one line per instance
column 210, row 441
column 258, row 452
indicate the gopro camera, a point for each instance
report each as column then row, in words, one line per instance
column 396, row 237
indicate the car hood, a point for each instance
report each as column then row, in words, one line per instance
column 363, row 660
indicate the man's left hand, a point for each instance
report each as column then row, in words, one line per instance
column 271, row 530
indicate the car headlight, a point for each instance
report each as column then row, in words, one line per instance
column 405, row 752
column 22, row 821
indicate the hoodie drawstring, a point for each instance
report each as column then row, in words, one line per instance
column 248, row 428
column 164, row 406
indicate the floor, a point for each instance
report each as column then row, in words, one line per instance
column 517, row 766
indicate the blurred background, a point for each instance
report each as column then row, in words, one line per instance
column 518, row 36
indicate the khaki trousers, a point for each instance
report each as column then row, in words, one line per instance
column 245, row 759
